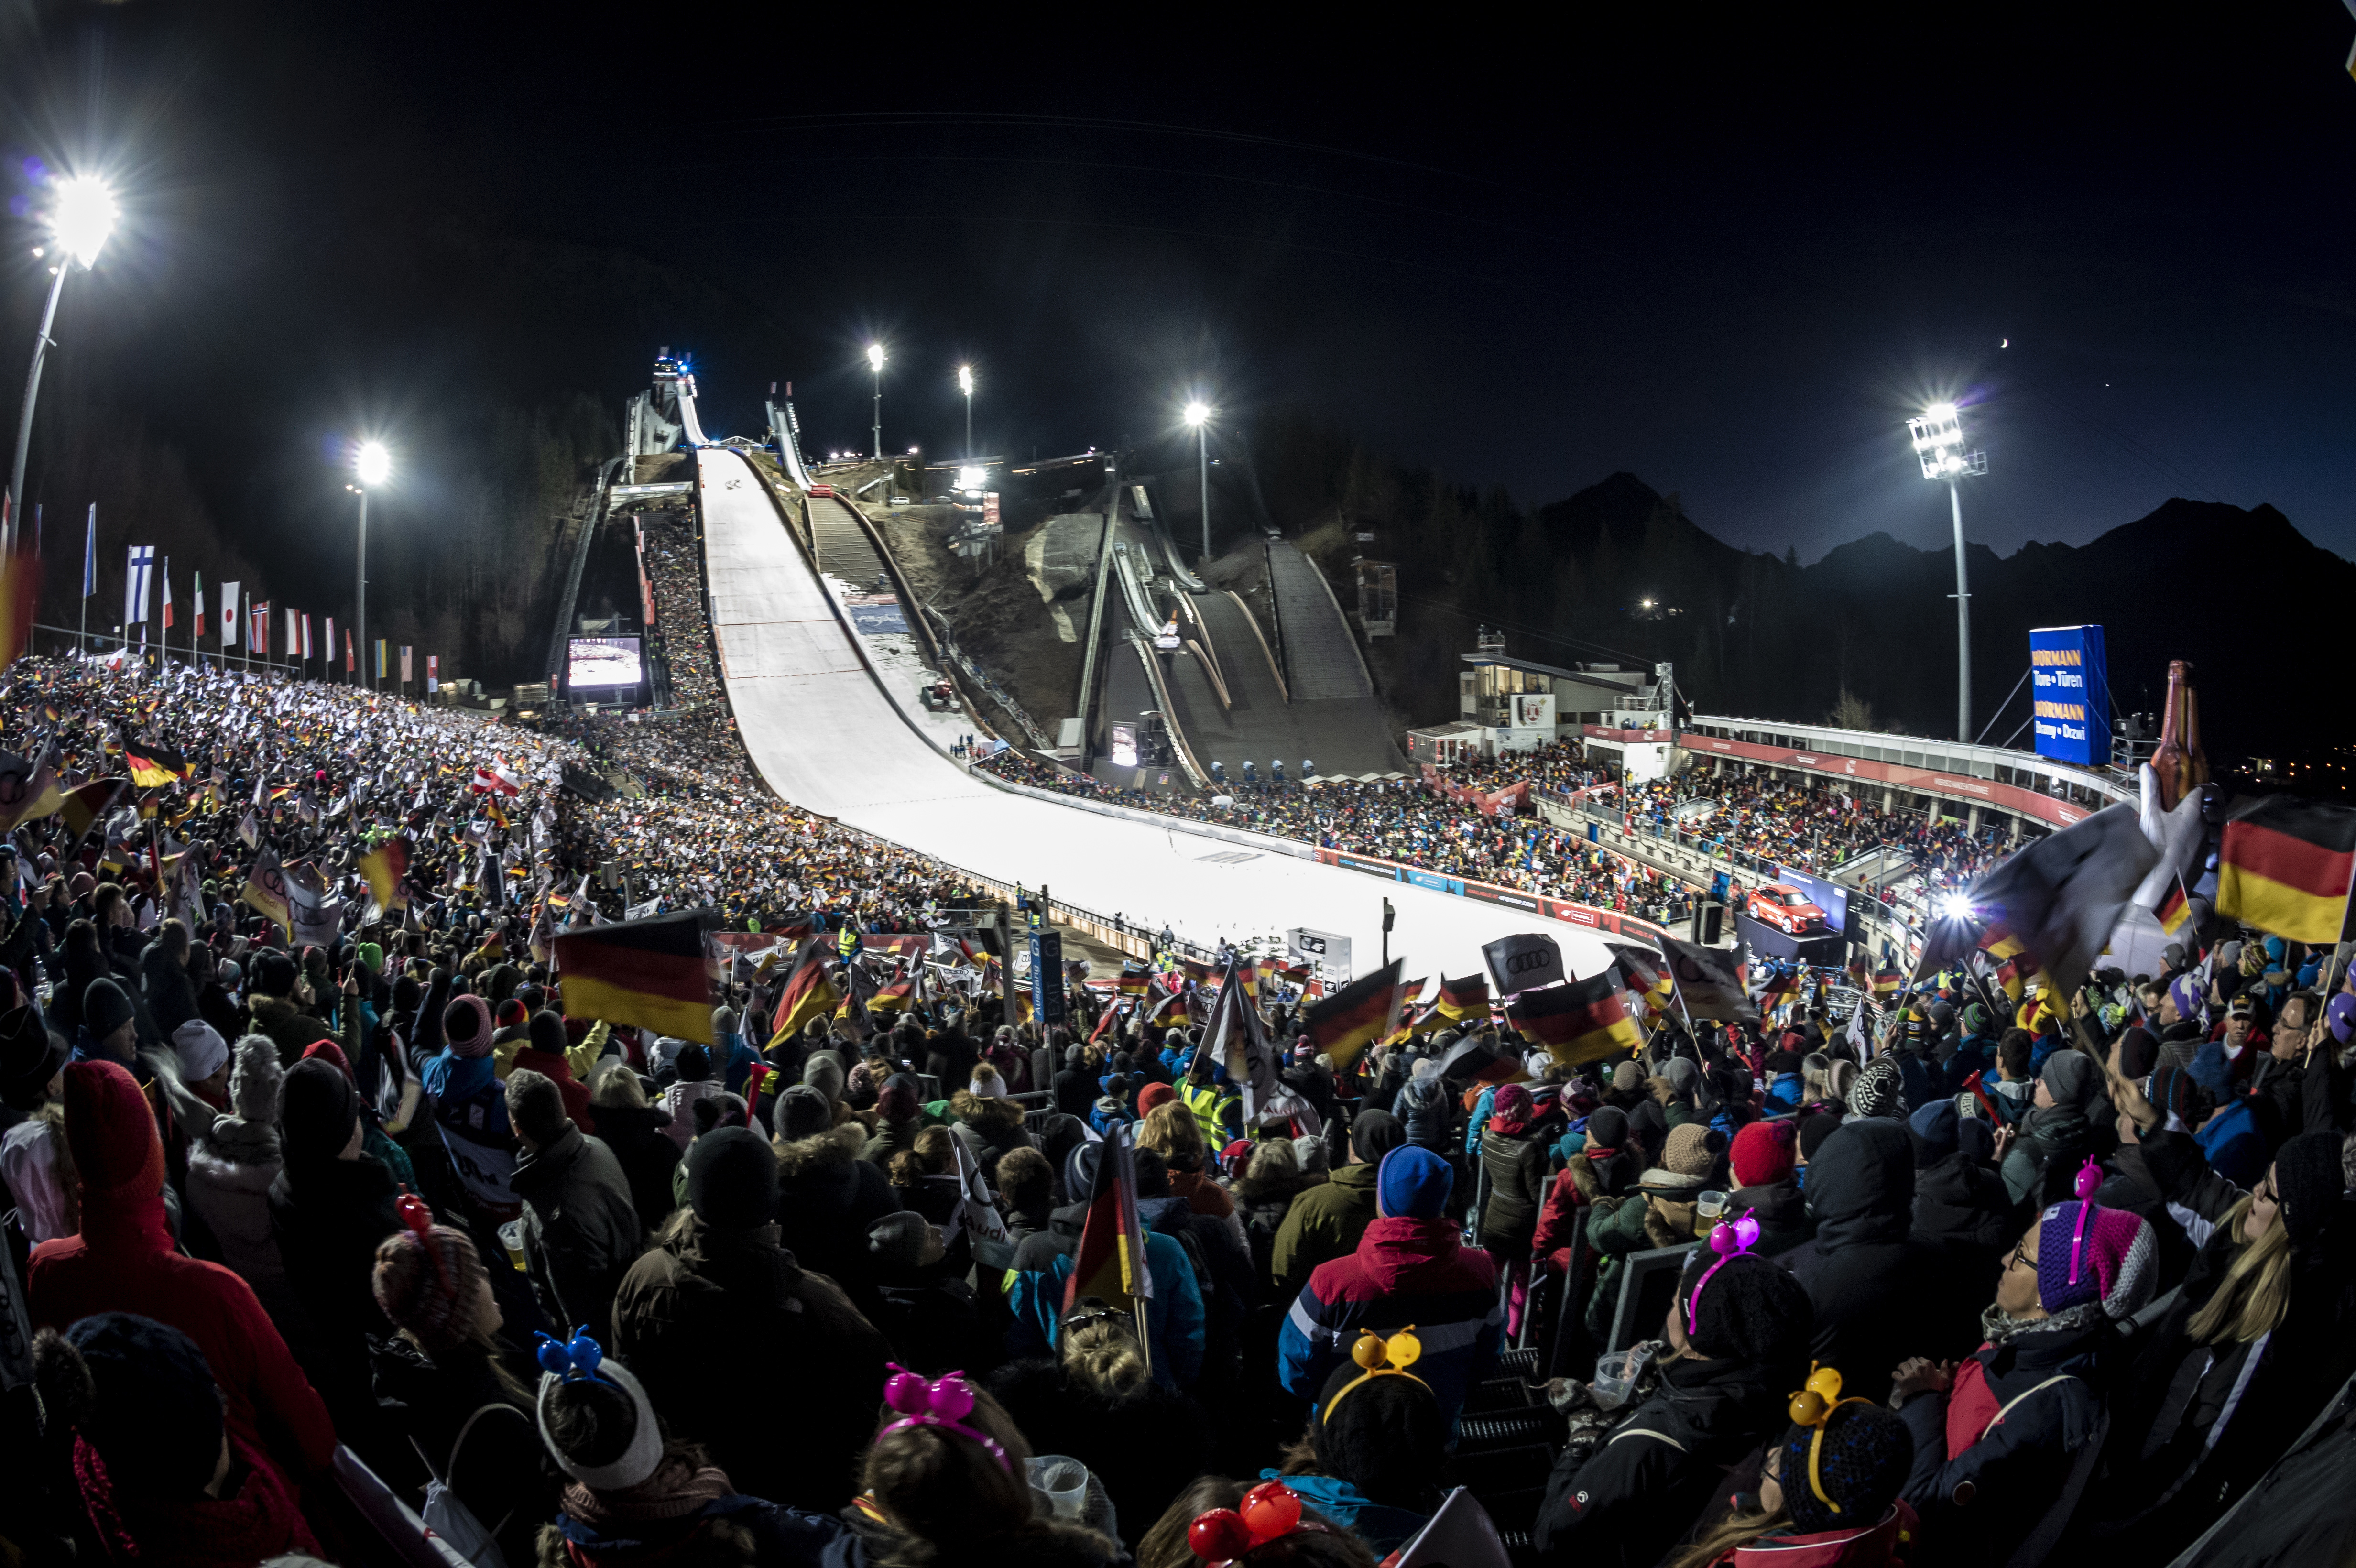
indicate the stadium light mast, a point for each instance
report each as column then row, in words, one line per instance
column 875, row 362
column 79, row 220
column 1198, row 414
column 965, row 385
column 373, row 465
column 1939, row 443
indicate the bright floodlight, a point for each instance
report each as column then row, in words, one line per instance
column 965, row 380
column 972, row 477
column 374, row 463
column 1939, row 443
column 876, row 356
column 1197, row 412
column 1955, row 906
column 83, row 217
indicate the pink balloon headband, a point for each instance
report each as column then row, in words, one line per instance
column 1729, row 1241
column 944, row 1402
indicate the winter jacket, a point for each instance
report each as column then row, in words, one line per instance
column 1262, row 1203
column 2053, row 1142
column 1145, row 1448
column 580, row 1229
column 987, row 1140
column 1781, row 1211
column 1323, row 1224
column 2208, row 1419
column 1516, row 1166
column 503, row 1473
column 1403, row 1271
column 1635, row 1497
column 1175, row 1318
column 641, row 1140
column 124, row 1261
column 828, row 1199
column 1891, row 1539
column 327, row 1216
column 1962, row 1205
column 1383, row 1528
column 555, row 1065
column 170, row 995
column 1425, row 1107
column 680, row 1100
column 290, row 1027
column 702, row 1294
column 1879, row 1297
column 2012, row 1469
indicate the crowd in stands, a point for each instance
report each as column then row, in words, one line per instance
column 680, row 634
column 1808, row 824
column 1966, row 1285
column 1408, row 821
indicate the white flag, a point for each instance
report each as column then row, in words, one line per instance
column 138, row 568
column 229, row 614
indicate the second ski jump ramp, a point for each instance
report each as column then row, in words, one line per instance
column 825, row 737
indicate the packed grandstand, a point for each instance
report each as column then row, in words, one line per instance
column 338, row 1190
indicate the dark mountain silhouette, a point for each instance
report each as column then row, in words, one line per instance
column 2239, row 591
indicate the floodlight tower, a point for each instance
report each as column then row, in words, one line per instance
column 81, row 216
column 1939, row 443
column 875, row 362
column 965, row 385
column 1198, row 414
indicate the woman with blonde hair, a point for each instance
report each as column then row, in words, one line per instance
column 1170, row 1130
column 2256, row 1343
column 1098, row 1402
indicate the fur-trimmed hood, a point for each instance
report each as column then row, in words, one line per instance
column 838, row 1146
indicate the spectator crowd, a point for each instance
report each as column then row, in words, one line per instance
column 1972, row 1287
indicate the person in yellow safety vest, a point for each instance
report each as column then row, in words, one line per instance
column 1218, row 1109
column 846, row 941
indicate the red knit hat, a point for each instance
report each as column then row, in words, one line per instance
column 1762, row 1153
column 1154, row 1094
column 110, row 1132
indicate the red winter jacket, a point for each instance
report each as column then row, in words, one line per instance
column 122, row 1262
column 551, row 1064
column 1891, row 1540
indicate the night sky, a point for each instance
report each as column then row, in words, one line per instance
column 1527, row 254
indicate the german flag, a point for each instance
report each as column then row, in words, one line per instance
column 1109, row 1263
column 1780, row 983
column 1462, row 1000
column 1356, row 1016
column 384, row 865
column 1130, row 984
column 1479, row 1060
column 1885, row 984
column 2285, row 865
column 82, row 807
column 895, row 997
column 810, row 993
column 1583, row 1021
column 650, row 972
column 2175, row 909
column 152, row 767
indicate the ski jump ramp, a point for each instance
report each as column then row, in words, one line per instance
column 827, row 738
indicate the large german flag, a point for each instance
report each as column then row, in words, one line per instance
column 1109, row 1263
column 810, row 992
column 1479, row 1060
column 2284, row 866
column 152, row 767
column 1357, row 1015
column 1583, row 1021
column 384, row 865
column 650, row 972
column 1464, row 999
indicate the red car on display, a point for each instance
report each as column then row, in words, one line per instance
column 1785, row 908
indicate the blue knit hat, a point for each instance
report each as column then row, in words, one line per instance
column 1866, row 1454
column 1412, row 1184
column 2088, row 1251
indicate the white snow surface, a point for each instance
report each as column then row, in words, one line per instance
column 826, row 737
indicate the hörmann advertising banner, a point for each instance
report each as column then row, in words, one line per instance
column 2069, row 684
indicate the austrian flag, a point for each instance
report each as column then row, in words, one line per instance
column 496, row 779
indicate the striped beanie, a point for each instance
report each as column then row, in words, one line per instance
column 426, row 1281
column 2091, row 1252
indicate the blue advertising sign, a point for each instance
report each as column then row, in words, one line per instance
column 2071, row 693
column 1826, row 896
column 1047, row 976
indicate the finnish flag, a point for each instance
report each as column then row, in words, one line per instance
column 137, row 572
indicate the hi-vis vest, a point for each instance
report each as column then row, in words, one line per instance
column 1212, row 1107
column 846, row 941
